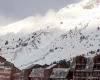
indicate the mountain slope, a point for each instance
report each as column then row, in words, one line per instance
column 60, row 37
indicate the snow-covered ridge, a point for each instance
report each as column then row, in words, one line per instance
column 88, row 4
column 69, row 14
column 59, row 35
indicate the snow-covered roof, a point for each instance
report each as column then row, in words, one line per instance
column 39, row 72
column 59, row 73
column 51, row 66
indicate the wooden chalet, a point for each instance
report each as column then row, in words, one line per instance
column 79, row 72
column 16, row 74
column 96, row 68
column 8, row 71
column 81, row 68
column 86, row 68
column 5, row 69
column 25, row 73
column 42, row 73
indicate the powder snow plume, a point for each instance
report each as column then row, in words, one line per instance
column 71, row 31
column 69, row 14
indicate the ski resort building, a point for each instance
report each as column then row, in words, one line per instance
column 86, row 68
column 42, row 73
column 81, row 68
column 6, row 69
column 16, row 74
column 25, row 73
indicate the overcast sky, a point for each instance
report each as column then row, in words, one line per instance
column 13, row 10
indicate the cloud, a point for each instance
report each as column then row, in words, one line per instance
column 25, row 8
column 14, row 10
column 5, row 20
column 69, row 15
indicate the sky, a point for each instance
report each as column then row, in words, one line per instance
column 14, row 10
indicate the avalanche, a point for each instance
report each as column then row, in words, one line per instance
column 73, row 30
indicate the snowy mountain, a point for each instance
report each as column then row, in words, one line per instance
column 73, row 30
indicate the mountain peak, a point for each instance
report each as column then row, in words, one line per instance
column 58, row 35
column 89, row 4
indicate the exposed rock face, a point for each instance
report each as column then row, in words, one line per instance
column 91, row 4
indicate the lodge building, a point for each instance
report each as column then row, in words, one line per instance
column 87, row 68
column 81, row 68
column 7, row 70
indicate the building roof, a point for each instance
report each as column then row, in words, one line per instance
column 59, row 73
column 96, row 59
column 2, row 59
column 80, row 59
column 39, row 72
column 8, row 63
column 51, row 66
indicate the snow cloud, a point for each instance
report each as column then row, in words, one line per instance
column 67, row 15
column 12, row 9
column 5, row 20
